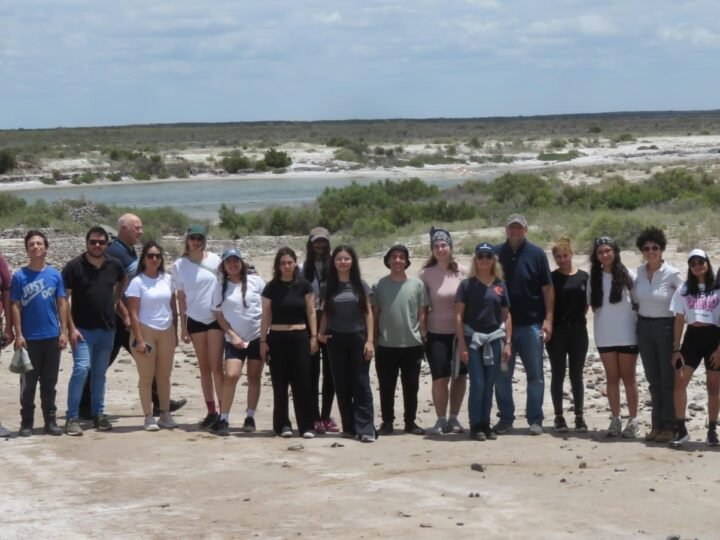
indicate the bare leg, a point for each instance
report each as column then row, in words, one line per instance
column 254, row 375
column 627, row 364
column 713, row 387
column 457, row 393
column 612, row 374
column 682, row 379
column 215, row 350
column 233, row 370
column 199, row 341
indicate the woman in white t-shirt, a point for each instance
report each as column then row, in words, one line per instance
column 237, row 303
column 615, row 321
column 195, row 276
column 697, row 305
column 153, row 322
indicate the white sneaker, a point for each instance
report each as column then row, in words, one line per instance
column 439, row 428
column 286, row 432
column 615, row 427
column 166, row 421
column 4, row 432
column 535, row 429
column 454, row 425
column 367, row 438
column 151, row 424
column 309, row 435
column 631, row 429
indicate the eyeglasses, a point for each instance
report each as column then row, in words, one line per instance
column 94, row 242
column 653, row 247
column 484, row 256
column 696, row 262
column 196, row 237
column 153, row 256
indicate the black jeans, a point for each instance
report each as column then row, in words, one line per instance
column 568, row 346
column 45, row 358
column 319, row 359
column 290, row 367
column 351, row 374
column 388, row 362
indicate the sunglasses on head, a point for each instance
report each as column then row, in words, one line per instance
column 602, row 241
column 154, row 255
column 653, row 247
column 97, row 242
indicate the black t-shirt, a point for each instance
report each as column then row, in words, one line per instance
column 570, row 297
column 287, row 300
column 483, row 304
column 93, row 296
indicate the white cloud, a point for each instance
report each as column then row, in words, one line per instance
column 330, row 18
column 696, row 36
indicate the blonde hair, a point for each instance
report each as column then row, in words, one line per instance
column 562, row 244
column 496, row 270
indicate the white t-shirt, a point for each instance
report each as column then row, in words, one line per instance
column 653, row 297
column 197, row 282
column 155, row 295
column 702, row 308
column 245, row 321
column 614, row 324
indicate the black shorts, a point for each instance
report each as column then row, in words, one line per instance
column 439, row 351
column 195, row 327
column 620, row 349
column 252, row 352
column 699, row 344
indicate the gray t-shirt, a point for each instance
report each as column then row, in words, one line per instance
column 399, row 303
column 347, row 316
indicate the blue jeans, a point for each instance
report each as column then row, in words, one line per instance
column 91, row 354
column 526, row 342
column 482, row 380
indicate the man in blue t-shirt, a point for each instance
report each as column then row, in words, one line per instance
column 40, row 319
column 532, row 299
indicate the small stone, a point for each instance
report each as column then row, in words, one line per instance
column 337, row 445
column 403, row 514
column 460, row 524
column 619, row 469
column 652, row 489
column 426, row 526
column 296, row 447
column 562, row 481
column 582, row 465
column 479, row 467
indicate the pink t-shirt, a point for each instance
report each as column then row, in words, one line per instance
column 441, row 287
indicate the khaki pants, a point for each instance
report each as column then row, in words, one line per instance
column 156, row 364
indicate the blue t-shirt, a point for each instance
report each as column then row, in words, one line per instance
column 37, row 293
column 526, row 273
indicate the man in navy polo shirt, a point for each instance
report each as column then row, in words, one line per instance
column 532, row 299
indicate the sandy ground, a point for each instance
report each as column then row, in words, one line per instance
column 187, row 483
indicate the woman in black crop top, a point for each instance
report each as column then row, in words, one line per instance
column 288, row 337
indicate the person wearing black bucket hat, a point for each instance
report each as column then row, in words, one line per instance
column 399, row 304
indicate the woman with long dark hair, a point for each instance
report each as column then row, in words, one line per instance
column 347, row 329
column 288, row 337
column 237, row 303
column 611, row 285
column 153, row 335
column 697, row 305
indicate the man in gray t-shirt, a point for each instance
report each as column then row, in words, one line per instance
column 398, row 307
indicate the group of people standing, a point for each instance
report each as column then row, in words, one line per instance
column 320, row 318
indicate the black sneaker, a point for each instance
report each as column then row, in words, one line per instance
column 414, row 429
column 25, row 429
column 477, row 435
column 102, row 423
column 249, row 425
column 72, row 427
column 490, row 435
column 386, row 428
column 580, row 425
column 221, row 428
column 681, row 437
column 175, row 405
column 712, row 438
column 209, row 421
column 51, row 428
column 501, row 428
column 560, row 425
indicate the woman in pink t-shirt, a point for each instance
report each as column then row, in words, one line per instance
column 442, row 276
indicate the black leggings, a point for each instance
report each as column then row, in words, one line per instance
column 388, row 362
column 569, row 345
column 319, row 359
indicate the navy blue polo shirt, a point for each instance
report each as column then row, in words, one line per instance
column 125, row 254
column 526, row 272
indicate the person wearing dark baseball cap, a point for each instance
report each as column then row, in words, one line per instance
column 532, row 300
column 399, row 304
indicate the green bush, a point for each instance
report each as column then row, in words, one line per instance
column 345, row 154
column 8, row 161
column 623, row 228
column 556, row 144
column 235, row 162
column 623, row 137
column 261, row 166
column 559, row 156
column 276, row 159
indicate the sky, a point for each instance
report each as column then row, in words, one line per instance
column 89, row 62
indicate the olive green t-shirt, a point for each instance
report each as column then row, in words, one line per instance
column 399, row 303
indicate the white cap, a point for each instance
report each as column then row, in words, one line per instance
column 697, row 253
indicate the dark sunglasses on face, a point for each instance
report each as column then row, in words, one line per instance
column 94, row 242
column 196, row 238
column 484, row 255
column 653, row 247
column 154, row 255
column 696, row 262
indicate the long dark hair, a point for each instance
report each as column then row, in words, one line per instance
column 620, row 275
column 692, row 284
column 333, row 283
column 145, row 249
column 226, row 278
column 309, row 271
column 277, row 274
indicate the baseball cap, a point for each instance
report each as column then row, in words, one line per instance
column 196, row 229
column 698, row 253
column 483, row 247
column 516, row 218
column 319, row 233
column 231, row 252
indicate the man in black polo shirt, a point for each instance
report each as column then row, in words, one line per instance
column 93, row 284
column 527, row 274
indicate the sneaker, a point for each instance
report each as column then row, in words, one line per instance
column 319, row 426
column 222, row 428
column 209, row 421
column 652, row 435
column 309, row 435
column 477, row 434
column 151, row 424
column 712, row 438
column 490, row 435
column 25, row 429
column 72, row 427
column 367, row 438
column 614, row 428
column 440, row 427
column 330, row 425
column 102, row 423
column 501, row 428
column 665, row 436
column 560, row 425
column 414, row 429
column 4, row 432
column 580, row 425
column 454, row 425
column 631, row 429
column 681, row 437
column 51, row 428
column 249, row 425
column 386, row 428
column 166, row 421
column 286, row 432
column 536, row 429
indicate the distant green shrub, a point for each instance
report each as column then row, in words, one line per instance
column 346, row 154
column 623, row 228
column 277, row 159
column 559, row 156
column 556, row 144
column 8, row 161
column 623, row 137
column 235, row 162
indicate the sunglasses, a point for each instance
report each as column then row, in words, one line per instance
column 196, row 237
column 653, row 247
column 484, row 256
column 603, row 240
column 696, row 262
column 94, row 242
column 157, row 256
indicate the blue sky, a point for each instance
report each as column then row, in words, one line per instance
column 90, row 62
